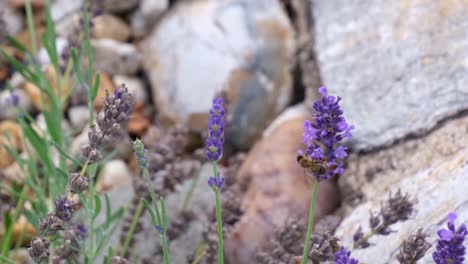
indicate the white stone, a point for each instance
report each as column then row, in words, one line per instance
column 115, row 174
column 439, row 189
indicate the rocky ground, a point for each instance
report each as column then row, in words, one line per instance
column 400, row 67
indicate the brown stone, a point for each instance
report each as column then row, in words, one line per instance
column 10, row 135
column 40, row 99
column 22, row 3
column 138, row 123
column 105, row 84
column 276, row 187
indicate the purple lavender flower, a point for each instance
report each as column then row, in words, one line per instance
column 344, row 257
column 322, row 135
column 214, row 143
column 450, row 249
column 81, row 230
column 216, row 181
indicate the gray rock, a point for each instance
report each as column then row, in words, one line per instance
column 242, row 47
column 79, row 116
column 399, row 66
column 12, row 18
column 115, row 57
column 439, row 189
column 119, row 6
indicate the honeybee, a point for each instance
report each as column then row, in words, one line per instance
column 311, row 166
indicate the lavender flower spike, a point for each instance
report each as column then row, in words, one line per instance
column 140, row 154
column 344, row 257
column 322, row 135
column 214, row 143
column 450, row 249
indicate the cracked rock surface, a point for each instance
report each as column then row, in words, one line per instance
column 400, row 66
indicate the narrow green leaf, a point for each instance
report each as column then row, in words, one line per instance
column 108, row 210
column 163, row 212
column 97, row 207
column 95, row 88
column 150, row 210
column 16, row 44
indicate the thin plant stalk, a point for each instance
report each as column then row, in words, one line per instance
column 132, row 228
column 310, row 225
column 161, row 221
column 219, row 220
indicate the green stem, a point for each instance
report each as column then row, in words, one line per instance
column 165, row 248
column 132, row 228
column 311, row 223
column 218, row 217
column 32, row 31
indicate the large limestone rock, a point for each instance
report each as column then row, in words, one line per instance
column 242, row 47
column 276, row 188
column 439, row 189
column 399, row 65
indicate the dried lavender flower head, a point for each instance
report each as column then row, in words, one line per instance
column 78, row 183
column 323, row 134
column 39, row 249
column 450, row 248
column 344, row 257
column 215, row 140
column 413, row 248
column 64, row 208
column 397, row 208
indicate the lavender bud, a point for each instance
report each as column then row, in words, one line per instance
column 13, row 99
column 140, row 154
column 216, row 182
column 78, row 183
column 160, row 229
column 39, row 249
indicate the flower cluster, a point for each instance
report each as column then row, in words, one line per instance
column 215, row 140
column 344, row 257
column 450, row 247
column 397, row 208
column 414, row 248
column 117, row 110
column 216, row 181
column 322, row 135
